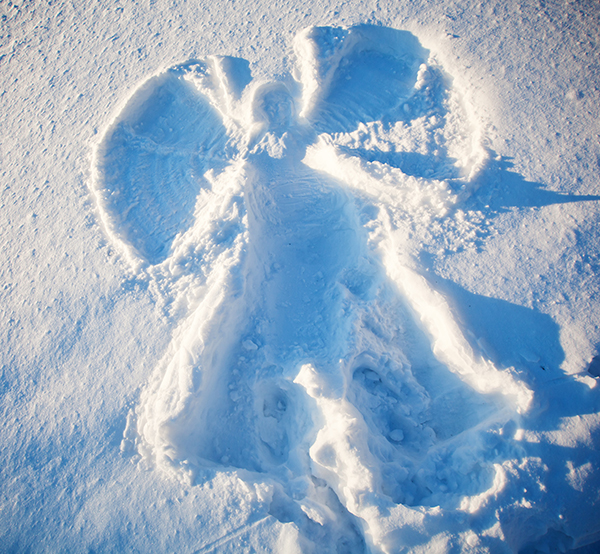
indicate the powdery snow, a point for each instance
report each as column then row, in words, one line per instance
column 325, row 285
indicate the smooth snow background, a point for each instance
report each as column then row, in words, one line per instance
column 80, row 337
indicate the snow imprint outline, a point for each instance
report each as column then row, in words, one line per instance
column 311, row 352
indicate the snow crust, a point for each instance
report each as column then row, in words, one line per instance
column 300, row 300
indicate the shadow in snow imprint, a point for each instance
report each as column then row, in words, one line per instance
column 501, row 189
column 532, row 340
column 283, row 217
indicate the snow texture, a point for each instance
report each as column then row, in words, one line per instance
column 331, row 375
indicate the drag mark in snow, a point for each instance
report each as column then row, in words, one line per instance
column 283, row 218
column 229, row 537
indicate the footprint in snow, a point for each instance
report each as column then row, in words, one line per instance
column 279, row 214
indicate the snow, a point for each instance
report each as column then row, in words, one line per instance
column 300, row 278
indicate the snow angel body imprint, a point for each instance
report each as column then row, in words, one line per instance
column 281, row 222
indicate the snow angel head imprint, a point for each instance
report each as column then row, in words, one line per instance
column 273, row 107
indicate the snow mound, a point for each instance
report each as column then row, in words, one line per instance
column 283, row 219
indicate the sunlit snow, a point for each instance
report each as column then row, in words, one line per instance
column 331, row 340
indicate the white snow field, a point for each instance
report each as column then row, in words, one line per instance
column 300, row 277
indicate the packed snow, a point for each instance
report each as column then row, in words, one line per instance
column 329, row 285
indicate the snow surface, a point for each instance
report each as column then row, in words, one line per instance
column 300, row 278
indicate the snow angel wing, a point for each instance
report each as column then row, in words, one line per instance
column 375, row 93
column 355, row 75
column 150, row 165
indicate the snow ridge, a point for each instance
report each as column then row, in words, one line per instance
column 314, row 355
